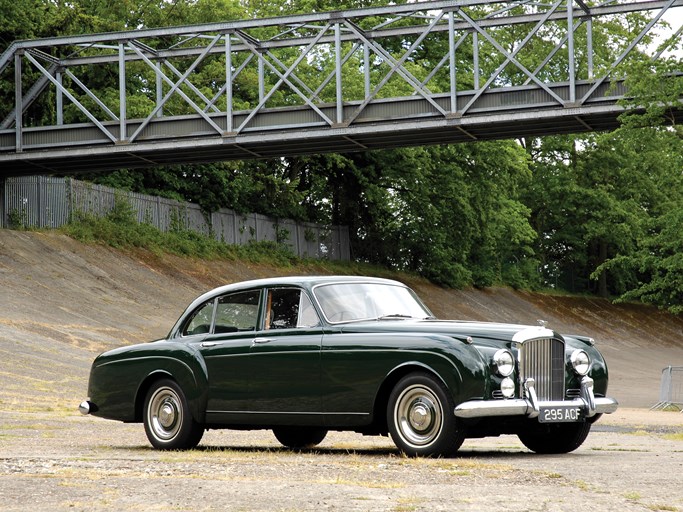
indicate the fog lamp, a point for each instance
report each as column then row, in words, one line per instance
column 507, row 387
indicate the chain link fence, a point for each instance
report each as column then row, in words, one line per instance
column 47, row 202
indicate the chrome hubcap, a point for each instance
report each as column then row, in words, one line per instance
column 165, row 414
column 418, row 415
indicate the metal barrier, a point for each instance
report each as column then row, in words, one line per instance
column 48, row 202
column 671, row 390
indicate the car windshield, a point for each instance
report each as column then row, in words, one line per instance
column 348, row 302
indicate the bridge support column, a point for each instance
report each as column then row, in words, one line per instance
column 18, row 102
column 3, row 202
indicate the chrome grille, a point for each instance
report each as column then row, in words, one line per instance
column 543, row 360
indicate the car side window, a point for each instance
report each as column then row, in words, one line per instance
column 237, row 312
column 288, row 308
column 200, row 322
column 308, row 316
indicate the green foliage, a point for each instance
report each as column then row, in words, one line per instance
column 600, row 213
column 117, row 230
column 17, row 218
column 449, row 213
column 657, row 264
column 599, row 205
column 655, row 92
column 122, row 213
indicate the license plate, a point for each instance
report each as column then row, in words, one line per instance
column 559, row 414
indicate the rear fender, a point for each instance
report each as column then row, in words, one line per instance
column 120, row 379
column 190, row 374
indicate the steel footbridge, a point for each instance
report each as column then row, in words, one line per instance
column 418, row 73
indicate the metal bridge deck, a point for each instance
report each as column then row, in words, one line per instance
column 322, row 81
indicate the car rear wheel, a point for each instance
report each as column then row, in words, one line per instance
column 169, row 425
column 299, row 438
column 420, row 417
column 555, row 438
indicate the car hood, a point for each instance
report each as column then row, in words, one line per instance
column 482, row 333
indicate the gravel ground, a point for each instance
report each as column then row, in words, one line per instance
column 633, row 460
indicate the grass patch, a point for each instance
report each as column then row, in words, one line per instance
column 678, row 436
column 407, row 505
column 122, row 233
column 121, row 230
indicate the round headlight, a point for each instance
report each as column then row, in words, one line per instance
column 580, row 362
column 505, row 363
column 507, row 387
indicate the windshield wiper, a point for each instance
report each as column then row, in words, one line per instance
column 394, row 316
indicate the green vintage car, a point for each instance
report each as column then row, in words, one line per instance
column 305, row 355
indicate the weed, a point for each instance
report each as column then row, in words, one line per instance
column 115, row 231
column 370, row 484
column 583, row 485
column 406, row 505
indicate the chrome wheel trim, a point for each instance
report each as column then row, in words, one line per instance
column 418, row 415
column 165, row 414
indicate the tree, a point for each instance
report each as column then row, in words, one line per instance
column 450, row 213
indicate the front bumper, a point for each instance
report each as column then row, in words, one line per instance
column 530, row 406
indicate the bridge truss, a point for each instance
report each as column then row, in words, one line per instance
column 420, row 73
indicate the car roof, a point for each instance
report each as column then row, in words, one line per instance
column 300, row 281
column 303, row 281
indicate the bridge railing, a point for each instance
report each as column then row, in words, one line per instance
column 278, row 86
column 47, row 202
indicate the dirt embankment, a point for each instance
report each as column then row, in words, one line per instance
column 63, row 302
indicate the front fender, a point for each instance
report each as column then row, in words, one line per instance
column 598, row 371
column 458, row 365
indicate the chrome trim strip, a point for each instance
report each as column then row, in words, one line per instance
column 284, row 413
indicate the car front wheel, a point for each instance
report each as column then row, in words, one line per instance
column 420, row 417
column 169, row 425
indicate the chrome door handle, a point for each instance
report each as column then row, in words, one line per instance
column 261, row 341
column 209, row 344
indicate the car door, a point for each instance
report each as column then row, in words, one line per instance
column 285, row 360
column 226, row 352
